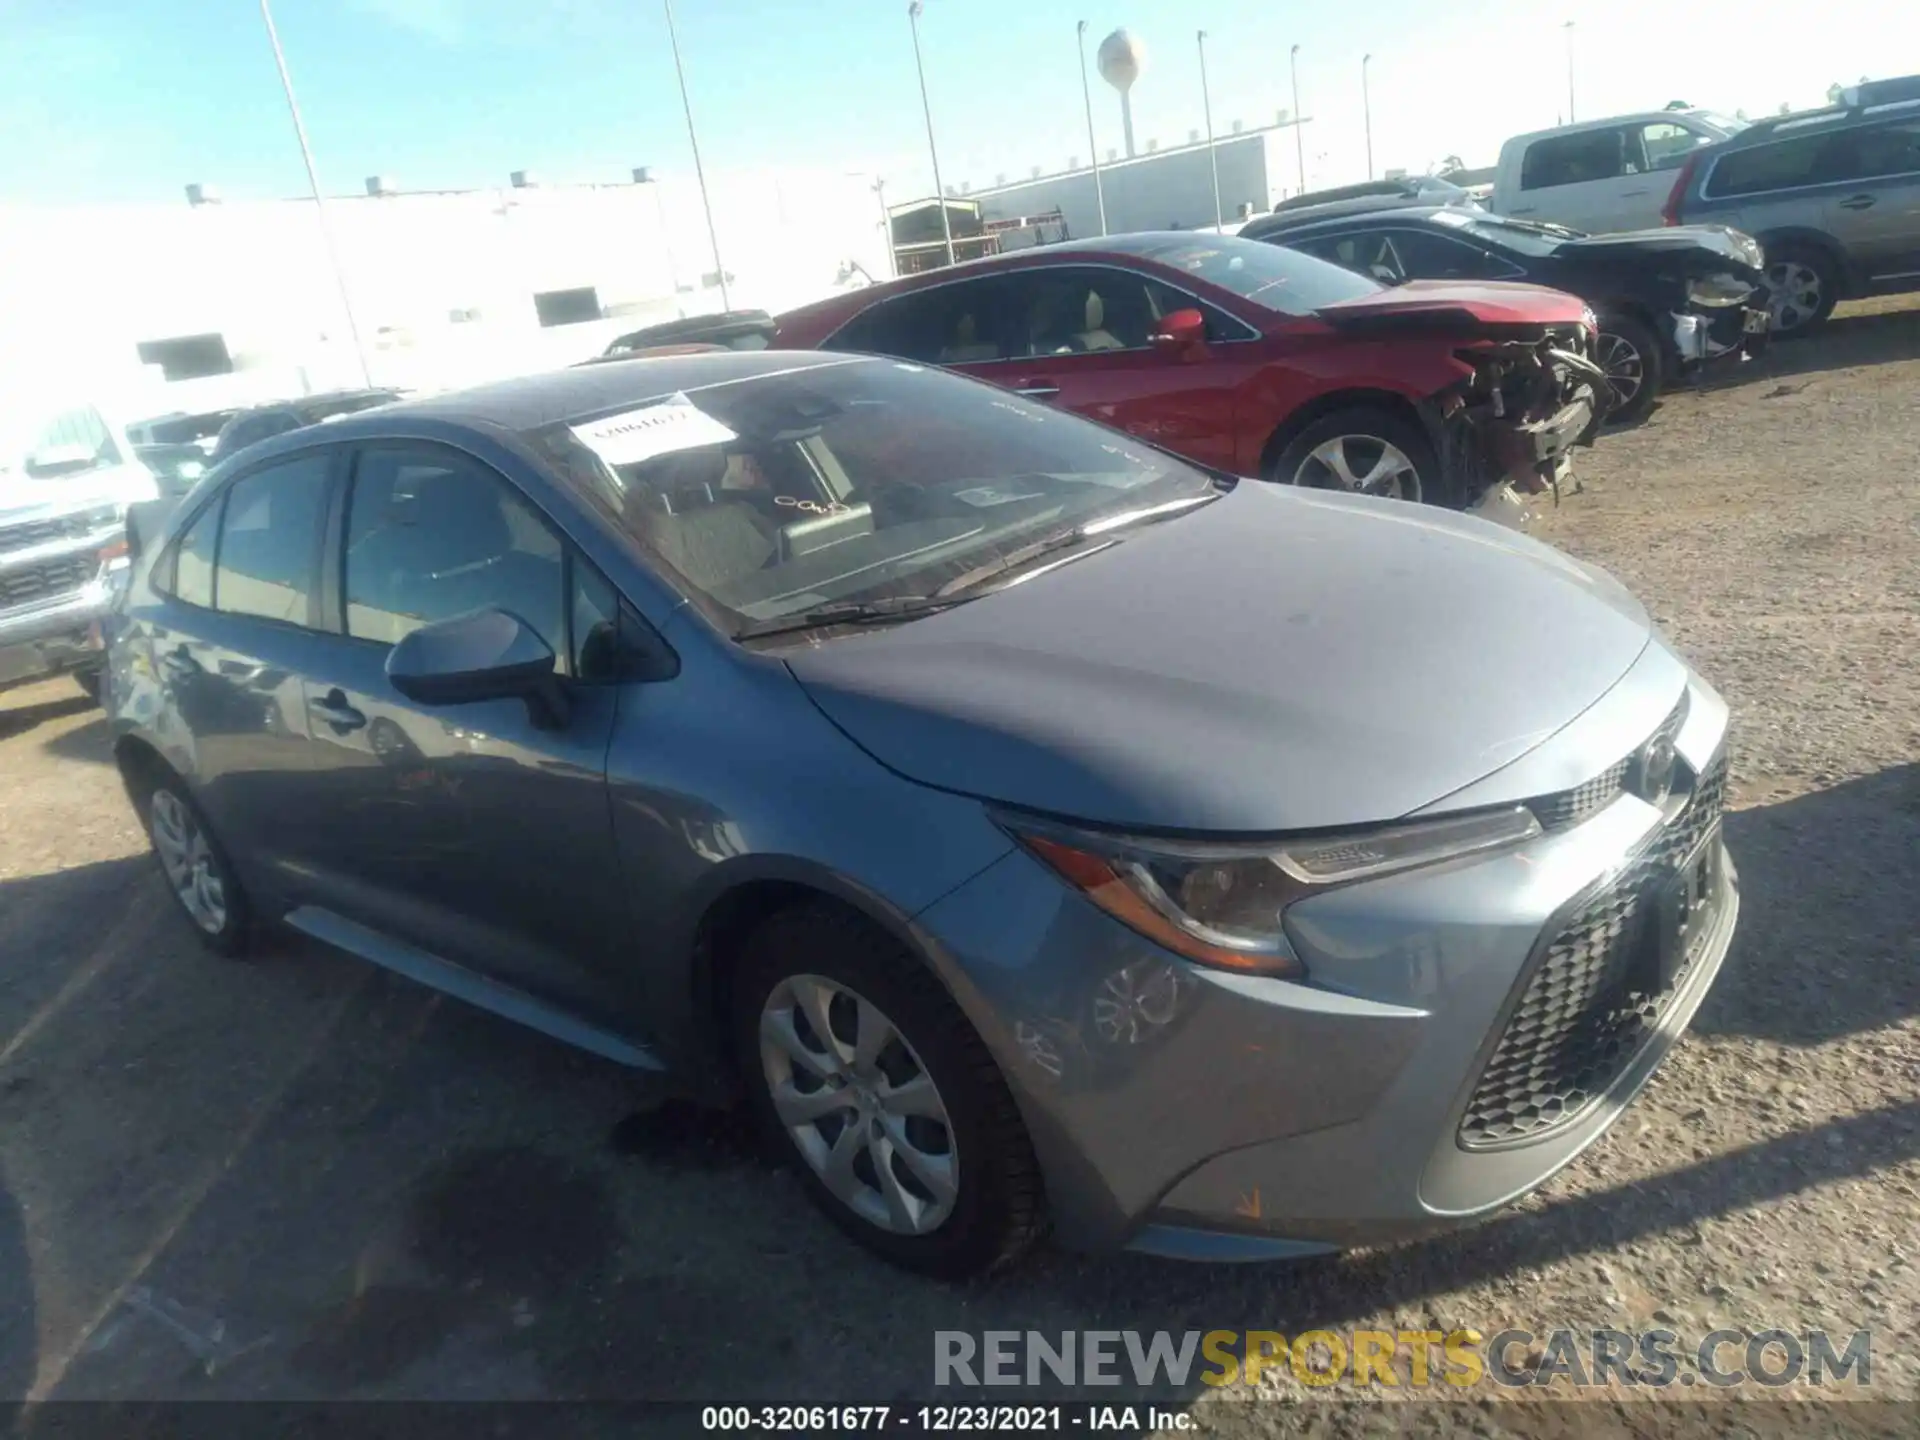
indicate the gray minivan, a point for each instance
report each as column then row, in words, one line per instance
column 1832, row 195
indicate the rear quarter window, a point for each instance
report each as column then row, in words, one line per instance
column 1574, row 159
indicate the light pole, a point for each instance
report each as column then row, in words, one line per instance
column 933, row 151
column 1568, row 27
column 319, row 204
column 1366, row 108
column 1299, row 145
column 699, row 172
column 1206, row 108
column 1093, row 145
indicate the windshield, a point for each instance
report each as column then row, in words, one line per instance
column 869, row 481
column 1288, row 281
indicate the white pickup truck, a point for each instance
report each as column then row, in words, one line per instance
column 1601, row 175
column 66, row 480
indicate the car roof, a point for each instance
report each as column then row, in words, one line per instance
column 532, row 402
column 1639, row 117
column 1288, row 222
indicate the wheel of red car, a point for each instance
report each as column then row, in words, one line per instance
column 1630, row 355
column 1364, row 450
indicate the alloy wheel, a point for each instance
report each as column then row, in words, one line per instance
column 859, row 1105
column 188, row 861
column 1361, row 464
column 1625, row 367
column 1796, row 294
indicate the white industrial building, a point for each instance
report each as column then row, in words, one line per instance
column 205, row 303
column 1161, row 189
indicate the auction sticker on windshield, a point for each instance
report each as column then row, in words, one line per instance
column 675, row 423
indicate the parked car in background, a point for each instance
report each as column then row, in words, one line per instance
column 1256, row 360
column 729, row 330
column 1601, row 175
column 1027, row 823
column 249, row 427
column 66, row 480
column 178, row 448
column 1413, row 189
column 1667, row 300
column 1833, row 195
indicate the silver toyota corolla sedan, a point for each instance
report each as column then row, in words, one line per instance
column 1031, row 827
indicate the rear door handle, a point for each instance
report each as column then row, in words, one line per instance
column 1857, row 202
column 336, row 712
column 1036, row 389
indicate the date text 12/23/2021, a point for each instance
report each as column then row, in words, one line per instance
column 941, row 1419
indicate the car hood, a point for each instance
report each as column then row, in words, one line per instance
column 1474, row 306
column 24, row 499
column 1701, row 249
column 1277, row 660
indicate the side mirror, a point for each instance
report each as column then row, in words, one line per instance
column 482, row 655
column 1180, row 330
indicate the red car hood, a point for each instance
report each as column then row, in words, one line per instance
column 1477, row 304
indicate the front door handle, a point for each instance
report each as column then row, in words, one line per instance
column 1036, row 389
column 336, row 712
column 1857, row 202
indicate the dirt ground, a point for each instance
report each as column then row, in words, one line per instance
column 301, row 1178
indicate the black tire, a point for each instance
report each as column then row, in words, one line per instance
column 165, row 804
column 1791, row 269
column 1366, row 425
column 89, row 681
column 998, row 1209
column 1634, row 350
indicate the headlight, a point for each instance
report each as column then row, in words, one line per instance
column 1222, row 904
column 1719, row 291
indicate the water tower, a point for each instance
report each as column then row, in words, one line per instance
column 1122, row 58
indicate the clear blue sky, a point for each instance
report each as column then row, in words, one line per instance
column 130, row 99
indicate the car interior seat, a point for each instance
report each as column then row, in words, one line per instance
column 966, row 344
column 708, row 534
column 1095, row 335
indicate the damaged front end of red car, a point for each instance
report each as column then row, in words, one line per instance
column 1529, row 400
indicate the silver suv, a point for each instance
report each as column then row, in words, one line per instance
column 1832, row 195
column 65, row 485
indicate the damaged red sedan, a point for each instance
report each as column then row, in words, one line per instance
column 1256, row 360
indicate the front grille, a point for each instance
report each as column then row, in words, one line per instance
column 1567, row 808
column 50, row 581
column 45, row 532
column 1579, row 1022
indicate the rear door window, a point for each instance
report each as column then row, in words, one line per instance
column 963, row 323
column 1884, row 150
column 1578, row 158
column 193, row 558
column 270, row 540
column 1790, row 163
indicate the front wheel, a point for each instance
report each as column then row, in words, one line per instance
column 1364, row 450
column 863, row 1071
column 1630, row 355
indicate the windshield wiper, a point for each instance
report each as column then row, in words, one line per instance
column 1027, row 554
column 849, row 612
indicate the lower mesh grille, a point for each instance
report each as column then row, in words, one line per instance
column 1579, row 1022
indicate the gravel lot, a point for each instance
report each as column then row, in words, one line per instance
column 300, row 1178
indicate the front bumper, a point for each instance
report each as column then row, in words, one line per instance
column 1199, row 1113
column 1732, row 331
column 54, row 638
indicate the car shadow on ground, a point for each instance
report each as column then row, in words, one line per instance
column 1845, row 341
column 16, row 719
column 1804, row 974
column 299, row 1178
